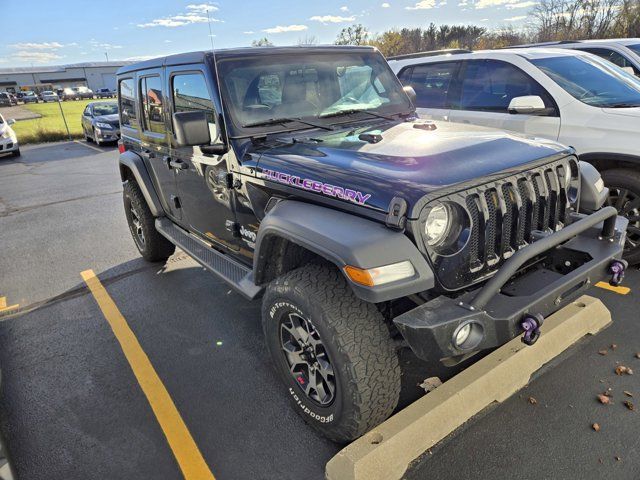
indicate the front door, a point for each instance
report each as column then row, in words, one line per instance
column 206, row 199
column 486, row 89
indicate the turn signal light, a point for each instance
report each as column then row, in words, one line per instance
column 372, row 277
column 121, row 147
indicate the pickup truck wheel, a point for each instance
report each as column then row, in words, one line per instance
column 152, row 246
column 16, row 153
column 333, row 352
column 624, row 186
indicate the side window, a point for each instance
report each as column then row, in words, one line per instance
column 190, row 93
column 87, row 112
column 490, row 85
column 612, row 56
column 128, row 115
column 432, row 82
column 152, row 109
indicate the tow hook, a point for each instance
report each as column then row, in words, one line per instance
column 617, row 269
column 531, row 325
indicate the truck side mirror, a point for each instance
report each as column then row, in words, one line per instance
column 11, row 121
column 411, row 93
column 191, row 128
column 527, row 105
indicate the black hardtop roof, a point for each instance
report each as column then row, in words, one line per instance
column 199, row 57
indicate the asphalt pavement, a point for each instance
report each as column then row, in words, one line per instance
column 71, row 408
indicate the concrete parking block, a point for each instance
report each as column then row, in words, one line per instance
column 387, row 451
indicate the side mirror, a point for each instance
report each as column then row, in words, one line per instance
column 11, row 121
column 411, row 93
column 191, row 128
column 530, row 104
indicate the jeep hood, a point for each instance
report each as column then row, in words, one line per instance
column 402, row 160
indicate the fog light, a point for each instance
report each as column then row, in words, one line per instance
column 462, row 335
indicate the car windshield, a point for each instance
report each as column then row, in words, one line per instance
column 105, row 109
column 593, row 81
column 260, row 89
column 635, row 48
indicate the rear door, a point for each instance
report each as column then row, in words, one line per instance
column 206, row 198
column 434, row 84
column 486, row 89
column 154, row 146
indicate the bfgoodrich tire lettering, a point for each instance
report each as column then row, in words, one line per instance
column 358, row 347
column 152, row 246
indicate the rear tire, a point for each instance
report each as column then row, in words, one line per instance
column 152, row 246
column 624, row 186
column 347, row 345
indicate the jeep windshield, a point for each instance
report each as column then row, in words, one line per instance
column 272, row 93
column 593, row 81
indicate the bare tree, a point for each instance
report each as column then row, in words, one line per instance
column 308, row 40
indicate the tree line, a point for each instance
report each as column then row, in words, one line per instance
column 550, row 20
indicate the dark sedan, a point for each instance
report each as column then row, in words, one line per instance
column 101, row 122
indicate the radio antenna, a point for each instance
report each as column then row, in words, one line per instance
column 215, row 72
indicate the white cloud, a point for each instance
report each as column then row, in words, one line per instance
column 484, row 19
column 423, row 5
column 31, row 56
column 168, row 41
column 344, row 9
column 287, row 28
column 515, row 19
column 37, row 46
column 202, row 7
column 521, row 5
column 103, row 46
column 385, row 5
column 442, row 3
column 249, row 32
column 332, row 19
column 178, row 20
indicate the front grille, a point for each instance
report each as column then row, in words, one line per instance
column 503, row 216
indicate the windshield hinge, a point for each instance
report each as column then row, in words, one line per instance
column 397, row 213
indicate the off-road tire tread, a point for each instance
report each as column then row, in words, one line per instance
column 157, row 248
column 621, row 177
column 369, row 362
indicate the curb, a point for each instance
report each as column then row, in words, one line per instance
column 386, row 452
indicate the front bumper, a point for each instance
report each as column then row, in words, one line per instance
column 560, row 267
column 108, row 135
column 7, row 145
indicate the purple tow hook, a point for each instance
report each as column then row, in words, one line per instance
column 531, row 325
column 617, row 269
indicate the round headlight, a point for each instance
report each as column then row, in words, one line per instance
column 462, row 335
column 437, row 225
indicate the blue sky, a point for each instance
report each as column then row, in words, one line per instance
column 80, row 31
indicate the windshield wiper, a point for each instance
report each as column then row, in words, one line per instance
column 284, row 120
column 351, row 111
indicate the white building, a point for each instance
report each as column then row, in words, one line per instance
column 94, row 75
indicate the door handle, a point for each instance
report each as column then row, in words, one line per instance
column 178, row 164
column 148, row 153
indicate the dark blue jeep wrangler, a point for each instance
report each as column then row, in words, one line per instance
column 303, row 176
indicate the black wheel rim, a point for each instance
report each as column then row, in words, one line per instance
column 136, row 228
column 307, row 358
column 627, row 203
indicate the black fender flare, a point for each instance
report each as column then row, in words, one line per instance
column 344, row 239
column 130, row 161
column 606, row 161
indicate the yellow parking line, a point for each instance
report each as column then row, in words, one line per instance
column 4, row 307
column 184, row 448
column 619, row 290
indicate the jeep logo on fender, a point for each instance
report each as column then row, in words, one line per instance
column 315, row 186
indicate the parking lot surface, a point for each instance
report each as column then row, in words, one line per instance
column 71, row 406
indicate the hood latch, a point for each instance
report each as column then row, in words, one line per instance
column 397, row 213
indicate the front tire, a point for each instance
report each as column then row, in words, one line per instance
column 152, row 246
column 16, row 153
column 624, row 186
column 333, row 352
